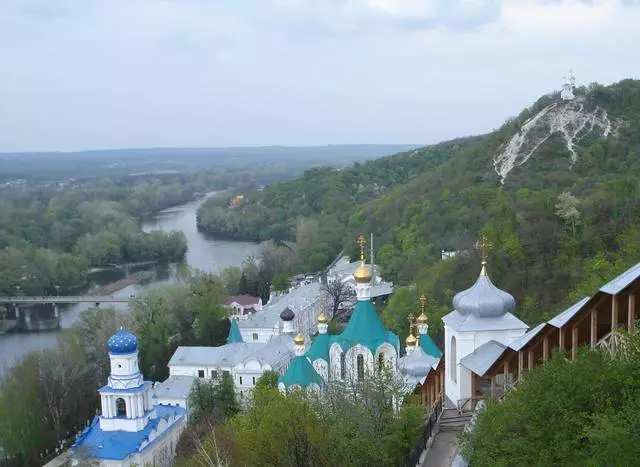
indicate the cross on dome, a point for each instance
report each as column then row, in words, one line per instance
column 362, row 242
column 422, row 319
column 362, row 275
column 483, row 246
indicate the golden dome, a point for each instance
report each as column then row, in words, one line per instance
column 422, row 319
column 362, row 274
column 322, row 318
column 299, row 339
column 411, row 340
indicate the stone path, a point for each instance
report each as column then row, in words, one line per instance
column 442, row 451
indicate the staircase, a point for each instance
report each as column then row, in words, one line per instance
column 452, row 421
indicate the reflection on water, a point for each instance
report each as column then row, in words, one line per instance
column 206, row 254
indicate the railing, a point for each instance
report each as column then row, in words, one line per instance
column 427, row 431
column 468, row 404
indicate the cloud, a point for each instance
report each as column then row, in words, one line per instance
column 121, row 73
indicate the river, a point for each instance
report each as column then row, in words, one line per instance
column 205, row 253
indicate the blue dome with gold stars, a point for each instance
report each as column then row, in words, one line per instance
column 122, row 342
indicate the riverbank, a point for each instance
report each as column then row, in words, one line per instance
column 204, row 253
column 122, row 266
column 132, row 279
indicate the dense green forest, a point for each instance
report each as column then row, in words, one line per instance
column 555, row 227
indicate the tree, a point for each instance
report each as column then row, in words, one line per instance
column 94, row 328
column 212, row 400
column 207, row 298
column 231, row 279
column 280, row 282
column 22, row 433
column 567, row 210
column 278, row 430
column 268, row 380
column 340, row 297
column 593, row 399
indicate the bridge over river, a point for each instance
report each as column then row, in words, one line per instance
column 65, row 299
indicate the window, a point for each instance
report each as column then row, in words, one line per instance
column 343, row 366
column 255, row 336
column 360, row 362
column 380, row 361
column 241, row 380
column 200, row 373
column 254, row 380
column 121, row 407
column 177, row 404
column 453, row 360
column 225, row 374
column 214, row 374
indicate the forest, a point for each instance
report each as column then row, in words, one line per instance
column 557, row 229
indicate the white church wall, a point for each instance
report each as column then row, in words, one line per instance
column 456, row 377
column 459, row 387
column 259, row 335
column 504, row 337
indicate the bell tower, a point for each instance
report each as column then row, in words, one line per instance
column 126, row 399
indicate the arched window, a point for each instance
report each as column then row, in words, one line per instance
column 343, row 366
column 360, row 361
column 380, row 361
column 453, row 358
column 121, row 407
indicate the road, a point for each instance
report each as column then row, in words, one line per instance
column 78, row 299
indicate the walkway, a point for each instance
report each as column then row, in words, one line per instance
column 442, row 451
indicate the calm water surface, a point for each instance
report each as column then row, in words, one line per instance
column 205, row 253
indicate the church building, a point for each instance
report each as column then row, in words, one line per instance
column 364, row 345
column 131, row 429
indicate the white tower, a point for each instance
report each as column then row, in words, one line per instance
column 568, row 85
column 126, row 399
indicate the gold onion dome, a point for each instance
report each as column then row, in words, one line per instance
column 362, row 274
column 299, row 339
column 322, row 318
column 411, row 340
column 422, row 319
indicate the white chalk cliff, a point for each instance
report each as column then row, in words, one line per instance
column 569, row 119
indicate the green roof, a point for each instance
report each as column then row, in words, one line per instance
column 234, row 333
column 365, row 328
column 429, row 347
column 320, row 347
column 300, row 372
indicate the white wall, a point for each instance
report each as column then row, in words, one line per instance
column 264, row 334
column 467, row 343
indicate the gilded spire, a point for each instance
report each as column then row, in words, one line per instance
column 362, row 274
column 483, row 245
column 422, row 319
column 362, row 242
column 322, row 318
column 411, row 340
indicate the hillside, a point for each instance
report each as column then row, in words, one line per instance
column 555, row 189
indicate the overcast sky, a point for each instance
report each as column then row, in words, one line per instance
column 87, row 74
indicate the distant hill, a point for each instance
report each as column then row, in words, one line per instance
column 129, row 161
column 556, row 189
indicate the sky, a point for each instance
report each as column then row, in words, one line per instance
column 90, row 74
